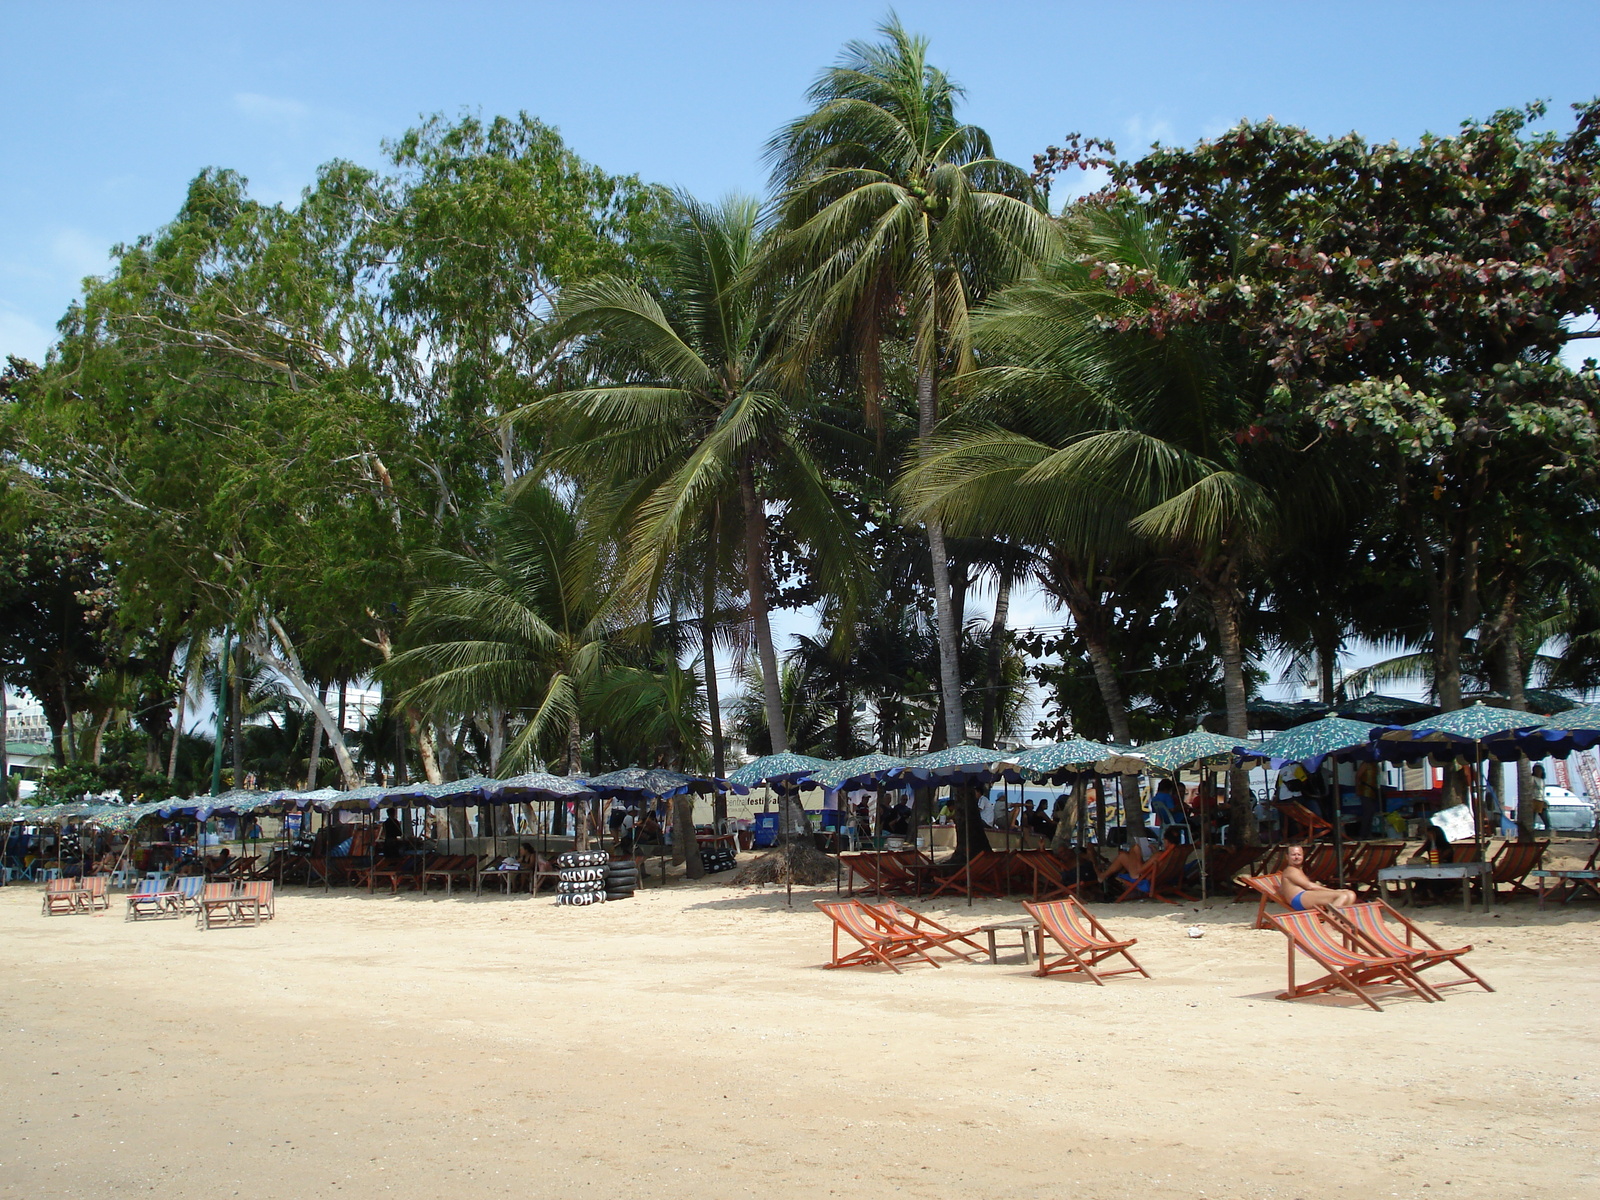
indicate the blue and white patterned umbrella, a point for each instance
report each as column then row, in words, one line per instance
column 965, row 763
column 778, row 768
column 863, row 771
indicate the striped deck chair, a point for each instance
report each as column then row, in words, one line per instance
column 189, row 889
column 1295, row 813
column 938, row 935
column 880, row 939
column 94, row 889
column 217, row 906
column 1084, row 941
column 1511, row 864
column 1270, row 890
column 1370, row 923
column 63, row 897
column 259, row 893
column 983, row 868
column 1161, row 874
column 148, row 900
column 1362, row 867
column 1348, row 963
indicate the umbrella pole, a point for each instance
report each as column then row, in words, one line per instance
column 1338, row 823
column 1211, row 779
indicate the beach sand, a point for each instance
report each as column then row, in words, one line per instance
column 688, row 1043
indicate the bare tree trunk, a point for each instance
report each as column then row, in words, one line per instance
column 5, row 758
column 971, row 837
column 685, row 848
column 574, row 746
column 497, row 740
column 955, row 721
column 997, row 638
column 236, row 714
column 316, row 745
column 287, row 663
column 99, row 737
column 422, row 734
column 755, row 577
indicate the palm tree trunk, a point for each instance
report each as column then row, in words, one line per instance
column 755, row 578
column 316, row 744
column 1225, row 602
column 685, row 848
column 5, row 758
column 997, row 637
column 236, row 717
column 955, row 720
column 708, row 646
column 177, row 728
column 574, row 746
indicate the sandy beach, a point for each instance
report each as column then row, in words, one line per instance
column 688, row 1043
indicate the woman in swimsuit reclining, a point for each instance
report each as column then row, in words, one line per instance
column 1301, row 892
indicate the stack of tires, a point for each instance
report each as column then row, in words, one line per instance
column 622, row 878
column 717, row 858
column 583, row 877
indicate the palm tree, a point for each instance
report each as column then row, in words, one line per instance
column 1131, row 436
column 688, row 419
column 888, row 205
column 526, row 630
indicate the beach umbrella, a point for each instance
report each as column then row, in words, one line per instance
column 1384, row 710
column 1311, row 744
column 848, row 774
column 1047, row 762
column 1190, row 750
column 1585, row 717
column 647, row 783
column 777, row 768
column 1269, row 714
column 965, row 763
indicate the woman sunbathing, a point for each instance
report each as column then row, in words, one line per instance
column 1301, row 892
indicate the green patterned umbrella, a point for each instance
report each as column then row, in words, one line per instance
column 1075, row 754
column 1475, row 723
column 1310, row 744
column 963, row 762
column 1190, row 750
column 1586, row 717
column 852, row 773
column 1385, row 710
column 645, row 783
column 1269, row 714
column 777, row 768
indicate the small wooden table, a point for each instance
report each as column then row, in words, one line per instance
column 1569, row 882
column 1462, row 871
column 1027, row 926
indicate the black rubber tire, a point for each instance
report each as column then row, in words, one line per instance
column 628, row 895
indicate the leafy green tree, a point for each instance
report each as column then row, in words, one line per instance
column 888, row 205
column 686, row 419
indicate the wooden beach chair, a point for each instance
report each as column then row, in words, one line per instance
column 1362, row 867
column 1160, row 878
column 1349, row 964
column 148, row 900
column 1224, row 864
column 449, row 868
column 94, row 892
column 1321, row 864
column 1269, row 888
column 1296, row 814
column 1511, row 864
column 1085, row 943
column 63, row 897
column 407, row 870
column 981, row 868
column 879, row 938
column 257, row 892
column 1370, row 922
column 188, row 889
column 936, row 934
column 506, row 871
column 217, row 906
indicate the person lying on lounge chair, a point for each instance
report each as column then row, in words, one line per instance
column 1126, row 865
column 1301, row 892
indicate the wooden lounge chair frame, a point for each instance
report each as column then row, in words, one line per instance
column 1349, row 963
column 510, row 877
column 1269, row 888
column 226, row 904
column 1512, row 863
column 1370, row 923
column 406, row 870
column 63, row 897
column 1364, row 863
column 937, row 935
column 1163, row 872
column 980, row 868
column 148, row 901
column 451, row 867
column 880, row 939
column 1292, row 811
column 1084, row 941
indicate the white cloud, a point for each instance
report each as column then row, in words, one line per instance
column 272, row 110
column 23, row 337
column 1143, row 130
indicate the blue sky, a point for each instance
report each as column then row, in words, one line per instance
column 107, row 110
